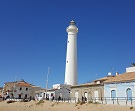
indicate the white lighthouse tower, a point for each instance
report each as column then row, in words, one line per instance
column 71, row 57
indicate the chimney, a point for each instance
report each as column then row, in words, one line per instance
column 117, row 73
column 109, row 73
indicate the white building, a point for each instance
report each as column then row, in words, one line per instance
column 34, row 89
column 19, row 90
column 58, row 90
column 130, row 69
column 62, row 91
column 59, row 86
column 40, row 95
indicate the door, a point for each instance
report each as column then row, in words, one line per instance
column 129, row 94
column 76, row 96
column 19, row 96
column 86, row 96
column 96, row 95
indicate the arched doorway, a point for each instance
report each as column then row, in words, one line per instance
column 25, row 97
column 19, row 96
column 129, row 94
column 85, row 96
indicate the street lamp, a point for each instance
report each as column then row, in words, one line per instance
column 47, row 80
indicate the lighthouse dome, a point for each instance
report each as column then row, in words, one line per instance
column 72, row 27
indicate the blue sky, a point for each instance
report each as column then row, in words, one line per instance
column 33, row 37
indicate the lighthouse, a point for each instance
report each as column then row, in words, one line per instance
column 71, row 56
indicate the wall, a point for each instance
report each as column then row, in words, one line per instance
column 33, row 90
column 120, row 88
column 88, row 90
column 1, row 89
column 130, row 69
column 63, row 93
column 23, row 92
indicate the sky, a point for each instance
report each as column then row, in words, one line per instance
column 33, row 37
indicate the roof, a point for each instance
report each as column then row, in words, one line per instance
column 18, row 83
column 105, row 78
column 51, row 89
column 94, row 83
column 39, row 91
column 23, row 84
column 129, row 76
column 85, row 85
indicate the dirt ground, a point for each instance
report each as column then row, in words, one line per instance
column 55, row 106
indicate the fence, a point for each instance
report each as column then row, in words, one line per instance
column 104, row 100
column 107, row 100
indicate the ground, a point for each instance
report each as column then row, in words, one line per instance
column 55, row 106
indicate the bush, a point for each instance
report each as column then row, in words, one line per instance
column 78, row 102
column 40, row 102
column 25, row 100
column 89, row 102
column 82, row 102
column 97, row 103
column 53, row 104
column 10, row 101
column 131, row 107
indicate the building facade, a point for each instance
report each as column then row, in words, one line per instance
column 121, row 88
column 19, row 90
column 87, row 92
column 59, row 91
column 93, row 91
column 1, row 90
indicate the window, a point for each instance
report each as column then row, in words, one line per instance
column 95, row 94
column 129, row 94
column 20, row 88
column 26, row 89
column 113, row 94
